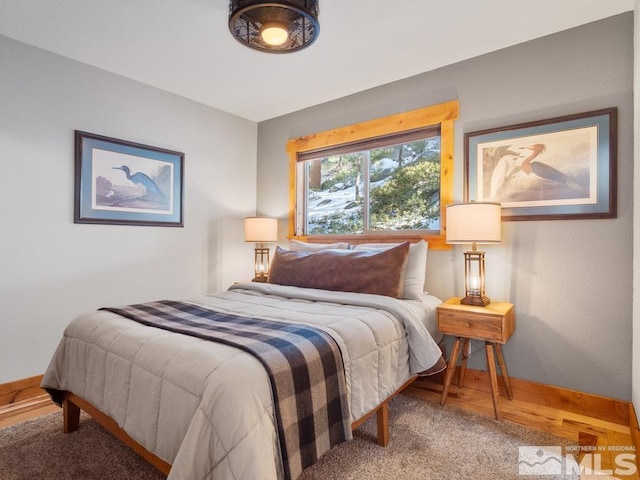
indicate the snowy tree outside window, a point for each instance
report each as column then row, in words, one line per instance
column 388, row 188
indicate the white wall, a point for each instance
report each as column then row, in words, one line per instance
column 52, row 269
column 570, row 280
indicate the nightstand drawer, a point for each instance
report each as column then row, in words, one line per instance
column 484, row 327
column 494, row 323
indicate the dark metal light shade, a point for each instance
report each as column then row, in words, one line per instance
column 248, row 20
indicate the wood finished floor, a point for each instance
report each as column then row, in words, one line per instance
column 606, row 437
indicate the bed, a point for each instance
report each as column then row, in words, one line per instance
column 200, row 410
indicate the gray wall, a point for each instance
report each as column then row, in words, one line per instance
column 636, row 218
column 52, row 269
column 571, row 281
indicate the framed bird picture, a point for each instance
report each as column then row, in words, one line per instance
column 125, row 183
column 559, row 168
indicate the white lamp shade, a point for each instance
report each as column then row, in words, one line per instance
column 260, row 229
column 473, row 222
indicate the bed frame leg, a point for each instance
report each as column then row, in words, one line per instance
column 71, row 415
column 382, row 416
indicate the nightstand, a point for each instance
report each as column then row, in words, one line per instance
column 493, row 324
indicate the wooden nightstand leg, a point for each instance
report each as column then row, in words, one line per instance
column 503, row 369
column 453, row 361
column 491, row 366
column 463, row 365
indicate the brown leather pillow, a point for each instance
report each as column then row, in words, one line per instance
column 362, row 271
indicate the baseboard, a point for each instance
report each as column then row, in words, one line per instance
column 591, row 405
column 23, row 399
column 635, row 431
column 20, row 390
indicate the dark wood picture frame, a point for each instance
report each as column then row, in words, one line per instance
column 119, row 182
column 555, row 169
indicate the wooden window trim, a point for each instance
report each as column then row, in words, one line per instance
column 443, row 114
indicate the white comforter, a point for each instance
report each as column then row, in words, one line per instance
column 206, row 407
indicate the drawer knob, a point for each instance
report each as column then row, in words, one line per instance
column 467, row 324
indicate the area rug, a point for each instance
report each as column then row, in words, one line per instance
column 428, row 441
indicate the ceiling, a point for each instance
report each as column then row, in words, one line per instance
column 184, row 46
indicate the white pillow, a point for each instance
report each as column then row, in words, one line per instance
column 298, row 246
column 416, row 273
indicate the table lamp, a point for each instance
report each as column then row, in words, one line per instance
column 473, row 222
column 261, row 230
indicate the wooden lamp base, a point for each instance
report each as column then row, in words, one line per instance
column 477, row 300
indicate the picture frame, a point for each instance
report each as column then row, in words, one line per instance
column 553, row 169
column 119, row 182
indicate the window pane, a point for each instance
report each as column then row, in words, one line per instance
column 405, row 186
column 334, row 195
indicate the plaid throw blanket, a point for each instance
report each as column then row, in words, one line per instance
column 304, row 366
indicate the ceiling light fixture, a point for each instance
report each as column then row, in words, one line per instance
column 274, row 33
column 275, row 27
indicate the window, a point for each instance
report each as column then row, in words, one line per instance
column 388, row 179
column 383, row 185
